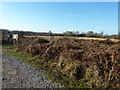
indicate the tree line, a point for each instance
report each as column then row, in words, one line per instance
column 67, row 33
column 91, row 34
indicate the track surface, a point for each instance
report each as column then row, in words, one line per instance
column 17, row 74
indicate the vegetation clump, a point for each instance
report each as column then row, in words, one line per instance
column 94, row 62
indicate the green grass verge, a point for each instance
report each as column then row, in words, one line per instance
column 7, row 46
column 17, row 55
column 51, row 72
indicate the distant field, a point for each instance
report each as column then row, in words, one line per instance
column 97, row 38
column 57, row 37
column 47, row 36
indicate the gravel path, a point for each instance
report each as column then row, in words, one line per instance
column 17, row 74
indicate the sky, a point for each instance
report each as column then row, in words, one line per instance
column 60, row 16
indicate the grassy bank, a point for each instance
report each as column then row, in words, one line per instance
column 7, row 46
column 53, row 73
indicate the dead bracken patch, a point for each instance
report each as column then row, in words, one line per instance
column 94, row 61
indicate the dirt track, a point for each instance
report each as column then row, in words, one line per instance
column 17, row 74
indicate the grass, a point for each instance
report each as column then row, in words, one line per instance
column 7, row 46
column 73, row 37
column 52, row 73
column 18, row 55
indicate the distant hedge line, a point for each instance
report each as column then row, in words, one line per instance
column 68, row 33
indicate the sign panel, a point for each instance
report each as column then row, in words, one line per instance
column 15, row 36
column 7, row 35
column 52, row 37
